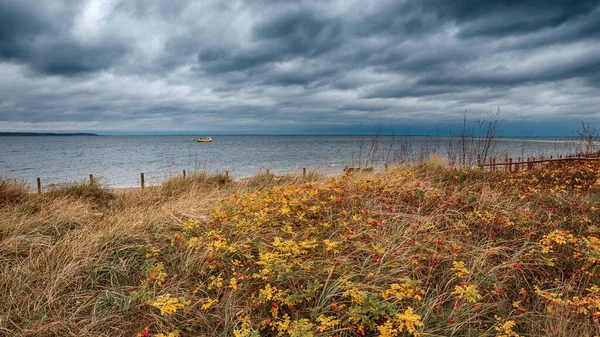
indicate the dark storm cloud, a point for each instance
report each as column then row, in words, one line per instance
column 499, row 18
column 146, row 64
column 35, row 37
column 68, row 58
column 302, row 32
column 583, row 67
column 297, row 33
column 18, row 27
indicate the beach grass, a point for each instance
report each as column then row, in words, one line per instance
column 11, row 191
column 414, row 250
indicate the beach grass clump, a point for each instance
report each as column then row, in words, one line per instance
column 12, row 191
column 94, row 192
column 415, row 250
column 195, row 181
column 263, row 180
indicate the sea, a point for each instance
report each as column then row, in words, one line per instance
column 117, row 161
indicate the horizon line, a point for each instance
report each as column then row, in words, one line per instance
column 175, row 134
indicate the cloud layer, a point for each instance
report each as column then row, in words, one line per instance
column 122, row 66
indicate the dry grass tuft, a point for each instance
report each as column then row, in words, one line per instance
column 12, row 191
column 195, row 181
column 94, row 193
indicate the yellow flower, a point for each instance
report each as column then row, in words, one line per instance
column 218, row 242
column 408, row 320
column 505, row 329
column 190, row 224
column 233, row 283
column 269, row 293
column 459, row 269
column 331, row 246
column 168, row 305
column 327, row 323
column 284, row 210
column 192, row 242
column 469, row 293
column 408, row 289
column 151, row 252
column 215, row 282
column 387, row 329
column 157, row 274
column 558, row 237
column 208, row 302
column 356, row 295
column 301, row 328
column 245, row 327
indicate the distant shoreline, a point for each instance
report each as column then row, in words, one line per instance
column 56, row 134
column 45, row 134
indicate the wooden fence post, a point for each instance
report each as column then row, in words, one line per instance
column 142, row 180
column 39, row 185
column 510, row 166
column 494, row 164
column 91, row 179
column 183, row 174
column 227, row 174
column 304, row 171
column 479, row 160
column 268, row 172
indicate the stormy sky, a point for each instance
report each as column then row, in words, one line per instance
column 151, row 67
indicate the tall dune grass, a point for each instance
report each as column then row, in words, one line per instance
column 11, row 191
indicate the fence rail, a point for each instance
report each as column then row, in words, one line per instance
column 530, row 162
column 142, row 180
column 539, row 161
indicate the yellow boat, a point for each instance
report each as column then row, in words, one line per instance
column 203, row 140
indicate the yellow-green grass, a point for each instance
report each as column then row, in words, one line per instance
column 412, row 250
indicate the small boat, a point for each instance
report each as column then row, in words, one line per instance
column 203, row 140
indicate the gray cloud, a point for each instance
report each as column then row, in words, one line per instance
column 499, row 18
column 37, row 34
column 116, row 65
column 19, row 26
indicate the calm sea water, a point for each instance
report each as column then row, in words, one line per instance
column 118, row 160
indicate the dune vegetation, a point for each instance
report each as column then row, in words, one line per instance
column 415, row 250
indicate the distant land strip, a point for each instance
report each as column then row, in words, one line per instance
column 4, row 134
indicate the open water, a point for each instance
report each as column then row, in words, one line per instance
column 119, row 160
